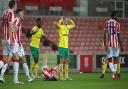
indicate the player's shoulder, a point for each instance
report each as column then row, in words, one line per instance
column 41, row 29
column 34, row 28
column 9, row 11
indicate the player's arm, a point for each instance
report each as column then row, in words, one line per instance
column 47, row 42
column 72, row 23
column 105, row 35
column 59, row 23
column 10, row 25
column 105, row 39
column 119, row 38
column 0, row 26
column 33, row 32
column 120, row 42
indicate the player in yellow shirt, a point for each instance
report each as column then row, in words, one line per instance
column 36, row 36
column 64, row 26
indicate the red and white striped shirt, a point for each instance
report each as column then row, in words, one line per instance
column 112, row 27
column 18, row 25
column 7, row 17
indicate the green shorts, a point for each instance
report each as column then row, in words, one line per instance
column 63, row 53
column 35, row 53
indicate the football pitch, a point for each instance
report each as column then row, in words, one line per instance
column 80, row 81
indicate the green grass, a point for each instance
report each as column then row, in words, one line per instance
column 80, row 81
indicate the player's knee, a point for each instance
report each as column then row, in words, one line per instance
column 62, row 61
column 109, row 60
column 115, row 60
column 35, row 61
column 15, row 58
column 66, row 61
column 5, row 60
column 23, row 60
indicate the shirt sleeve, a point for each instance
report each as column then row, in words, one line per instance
column 34, row 29
column 70, row 26
column 10, row 17
column 42, row 31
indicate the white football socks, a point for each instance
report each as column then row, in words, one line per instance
column 115, row 67
column 4, row 68
column 26, row 69
column 111, row 67
column 1, row 64
column 16, row 70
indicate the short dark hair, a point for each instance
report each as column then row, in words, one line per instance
column 113, row 14
column 38, row 19
column 11, row 3
column 19, row 10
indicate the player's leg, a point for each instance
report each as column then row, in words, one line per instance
column 116, row 61
column 118, row 67
column 1, row 63
column 26, row 69
column 61, row 56
column 15, row 59
column 66, row 68
column 25, row 66
column 110, row 59
column 45, row 61
column 58, row 70
column 104, row 67
column 4, row 68
column 35, row 55
column 6, row 51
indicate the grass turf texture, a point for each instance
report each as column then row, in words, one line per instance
column 80, row 81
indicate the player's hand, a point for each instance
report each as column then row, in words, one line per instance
column 11, row 43
column 62, row 17
column 106, row 47
column 69, row 19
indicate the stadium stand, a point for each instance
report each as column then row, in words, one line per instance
column 84, row 39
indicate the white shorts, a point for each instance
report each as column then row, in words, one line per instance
column 6, row 47
column 14, row 48
column 21, row 52
column 113, row 52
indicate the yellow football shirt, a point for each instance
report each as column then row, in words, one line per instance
column 64, row 33
column 35, row 40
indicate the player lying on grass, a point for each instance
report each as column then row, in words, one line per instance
column 50, row 74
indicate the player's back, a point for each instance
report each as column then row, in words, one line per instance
column 7, row 17
column 18, row 25
column 113, row 28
